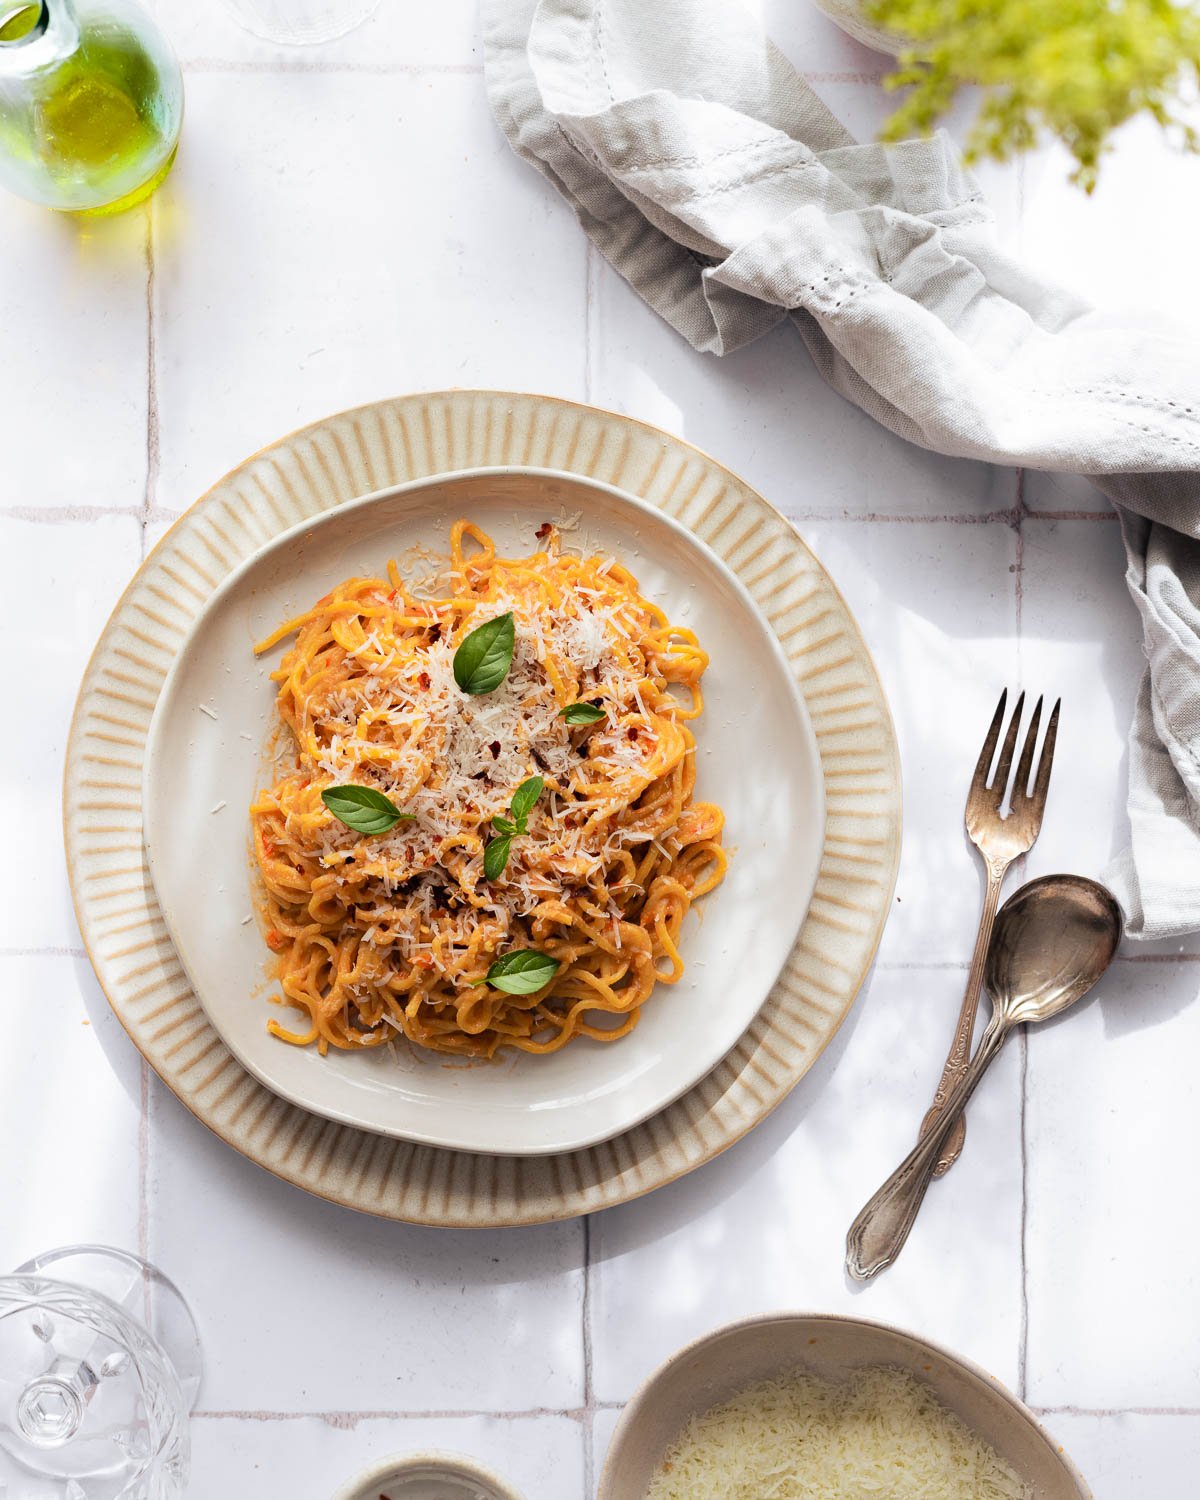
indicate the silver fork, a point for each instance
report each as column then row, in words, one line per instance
column 999, row 841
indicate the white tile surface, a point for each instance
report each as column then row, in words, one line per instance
column 604, row 1424
column 309, row 1457
column 1124, row 1454
column 1081, row 638
column 1129, row 245
column 59, row 584
column 1067, row 494
column 345, row 223
column 207, row 35
column 937, row 607
column 71, row 1078
column 763, row 1227
column 766, row 413
column 358, row 1314
column 1112, row 1117
column 73, row 405
column 373, row 272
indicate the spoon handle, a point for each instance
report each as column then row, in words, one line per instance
column 878, row 1233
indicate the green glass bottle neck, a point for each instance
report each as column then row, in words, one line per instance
column 22, row 23
column 36, row 35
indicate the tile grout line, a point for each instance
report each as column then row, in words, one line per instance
column 61, row 515
column 152, row 434
column 589, row 302
column 1116, row 1411
column 1019, row 513
column 589, row 1389
column 143, row 1152
column 1023, row 1345
column 43, row 953
column 148, row 498
column 350, row 1419
column 283, row 67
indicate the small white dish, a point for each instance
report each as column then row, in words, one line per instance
column 427, row 1476
column 716, row 1367
column 757, row 757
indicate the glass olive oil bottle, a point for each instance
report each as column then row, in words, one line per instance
column 91, row 102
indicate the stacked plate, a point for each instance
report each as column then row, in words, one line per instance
column 795, row 745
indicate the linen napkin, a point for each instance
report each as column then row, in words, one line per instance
column 713, row 178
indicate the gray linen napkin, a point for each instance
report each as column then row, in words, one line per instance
column 713, row 178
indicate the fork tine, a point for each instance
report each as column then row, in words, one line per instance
column 979, row 780
column 1000, row 785
column 1046, row 763
column 1025, row 764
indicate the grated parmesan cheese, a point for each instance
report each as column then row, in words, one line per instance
column 880, row 1435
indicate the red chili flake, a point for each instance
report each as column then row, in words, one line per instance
column 423, row 682
column 632, row 733
column 494, row 747
column 544, row 531
column 435, row 632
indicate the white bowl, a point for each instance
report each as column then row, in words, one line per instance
column 427, row 1476
column 720, row 1364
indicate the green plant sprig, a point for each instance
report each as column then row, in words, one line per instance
column 363, row 808
column 495, row 856
column 521, row 972
column 1073, row 69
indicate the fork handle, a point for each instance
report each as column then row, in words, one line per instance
column 960, row 1048
column 878, row 1234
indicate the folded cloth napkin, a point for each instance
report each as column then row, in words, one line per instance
column 713, row 178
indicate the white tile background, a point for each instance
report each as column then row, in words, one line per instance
column 345, row 224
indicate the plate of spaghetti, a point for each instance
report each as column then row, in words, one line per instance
column 483, row 812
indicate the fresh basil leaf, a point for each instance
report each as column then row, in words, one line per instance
column 523, row 799
column 481, row 663
column 505, row 825
column 363, row 808
column 522, row 972
column 582, row 713
column 495, row 856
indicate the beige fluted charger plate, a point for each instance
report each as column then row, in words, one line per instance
column 756, row 757
column 371, row 449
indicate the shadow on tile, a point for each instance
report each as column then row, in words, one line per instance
column 119, row 1052
column 661, row 1213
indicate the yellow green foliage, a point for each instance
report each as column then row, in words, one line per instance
column 1075, row 69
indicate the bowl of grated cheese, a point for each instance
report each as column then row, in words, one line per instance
column 817, row 1407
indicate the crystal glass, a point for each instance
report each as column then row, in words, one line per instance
column 99, row 1369
column 301, row 21
column 91, row 103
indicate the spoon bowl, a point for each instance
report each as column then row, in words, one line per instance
column 1053, row 940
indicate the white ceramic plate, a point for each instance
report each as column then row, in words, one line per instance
column 719, row 1365
column 757, row 757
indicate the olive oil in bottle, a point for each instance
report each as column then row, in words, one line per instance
column 91, row 101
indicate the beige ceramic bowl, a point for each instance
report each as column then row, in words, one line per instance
column 427, row 1476
column 720, row 1364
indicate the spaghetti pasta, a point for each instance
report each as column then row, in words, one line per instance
column 395, row 932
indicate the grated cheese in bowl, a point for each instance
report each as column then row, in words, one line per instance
column 879, row 1435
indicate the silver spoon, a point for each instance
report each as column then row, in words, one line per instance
column 1052, row 941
